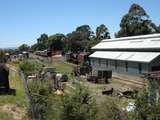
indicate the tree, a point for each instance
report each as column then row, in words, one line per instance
column 102, row 32
column 146, row 109
column 2, row 53
column 84, row 31
column 110, row 109
column 41, row 46
column 23, row 47
column 136, row 22
column 79, row 106
column 42, row 42
column 42, row 39
column 56, row 42
column 158, row 28
column 78, row 40
column 34, row 47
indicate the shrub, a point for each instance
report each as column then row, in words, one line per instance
column 29, row 67
column 40, row 91
column 79, row 106
column 110, row 109
column 146, row 109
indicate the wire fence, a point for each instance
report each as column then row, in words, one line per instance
column 28, row 95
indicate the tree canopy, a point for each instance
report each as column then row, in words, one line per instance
column 23, row 47
column 2, row 53
column 79, row 106
column 43, row 38
column 56, row 42
column 136, row 22
column 81, row 39
column 78, row 39
column 146, row 109
column 42, row 42
column 102, row 32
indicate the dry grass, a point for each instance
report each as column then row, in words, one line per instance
column 63, row 66
column 95, row 89
column 9, row 102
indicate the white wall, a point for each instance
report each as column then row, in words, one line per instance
column 156, row 62
column 133, row 67
column 121, row 67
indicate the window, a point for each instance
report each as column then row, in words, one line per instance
column 140, row 67
column 93, row 61
column 99, row 62
column 106, row 63
column 100, row 74
column 115, row 64
column 126, row 66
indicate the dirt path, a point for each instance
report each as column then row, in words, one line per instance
column 13, row 107
column 17, row 113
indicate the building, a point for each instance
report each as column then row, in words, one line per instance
column 77, row 58
column 129, row 56
column 17, row 55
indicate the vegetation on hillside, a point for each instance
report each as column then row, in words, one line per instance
column 24, row 47
column 30, row 67
column 135, row 22
column 13, row 107
column 2, row 55
column 82, row 39
column 79, row 103
column 146, row 108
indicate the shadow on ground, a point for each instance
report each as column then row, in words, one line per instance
column 4, row 91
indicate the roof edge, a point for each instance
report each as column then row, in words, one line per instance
column 126, row 59
column 155, row 35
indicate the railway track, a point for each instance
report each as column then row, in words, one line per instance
column 136, row 83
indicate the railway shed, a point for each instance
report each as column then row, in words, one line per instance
column 127, row 56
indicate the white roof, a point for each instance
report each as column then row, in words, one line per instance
column 126, row 56
column 136, row 42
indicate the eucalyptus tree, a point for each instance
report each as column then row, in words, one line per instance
column 42, row 42
column 136, row 22
column 56, row 42
column 102, row 32
column 23, row 47
column 79, row 39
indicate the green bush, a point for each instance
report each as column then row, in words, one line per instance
column 110, row 110
column 40, row 92
column 40, row 87
column 146, row 109
column 54, row 109
column 29, row 67
column 79, row 106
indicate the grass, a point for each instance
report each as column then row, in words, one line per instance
column 19, row 100
column 15, row 83
column 95, row 89
column 5, row 116
column 63, row 66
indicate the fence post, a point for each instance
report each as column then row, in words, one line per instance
column 27, row 94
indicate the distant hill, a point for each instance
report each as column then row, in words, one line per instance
column 13, row 48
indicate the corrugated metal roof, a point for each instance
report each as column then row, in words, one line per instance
column 157, row 35
column 126, row 56
column 136, row 42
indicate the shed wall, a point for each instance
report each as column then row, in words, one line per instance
column 155, row 62
column 124, row 67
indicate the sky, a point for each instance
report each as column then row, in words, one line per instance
column 22, row 21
